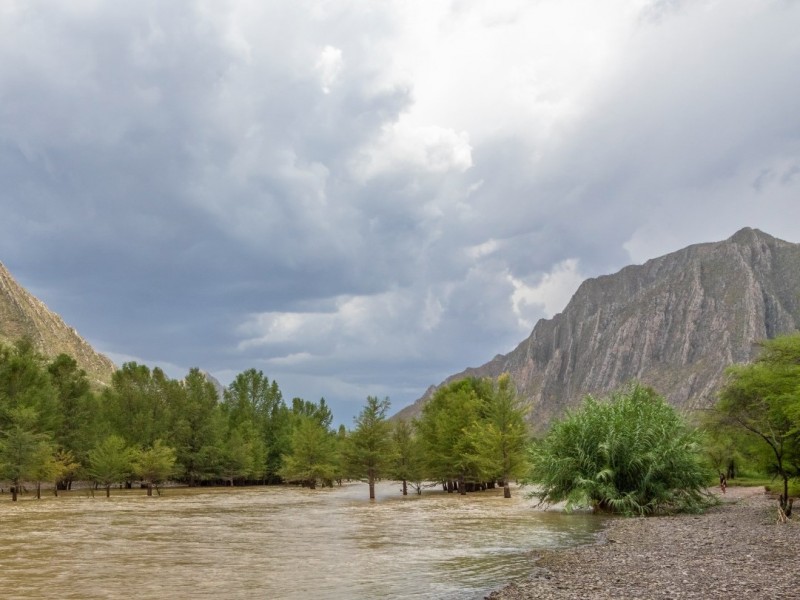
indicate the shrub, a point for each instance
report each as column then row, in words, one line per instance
column 629, row 454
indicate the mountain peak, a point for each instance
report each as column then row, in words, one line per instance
column 749, row 235
column 675, row 323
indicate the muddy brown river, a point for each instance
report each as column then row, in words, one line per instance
column 274, row 542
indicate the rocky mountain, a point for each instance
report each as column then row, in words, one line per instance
column 675, row 323
column 23, row 315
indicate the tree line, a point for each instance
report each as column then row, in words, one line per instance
column 629, row 452
column 146, row 427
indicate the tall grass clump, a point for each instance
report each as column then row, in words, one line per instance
column 629, row 454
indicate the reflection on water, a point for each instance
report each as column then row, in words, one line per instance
column 272, row 542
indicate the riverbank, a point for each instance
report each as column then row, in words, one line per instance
column 734, row 550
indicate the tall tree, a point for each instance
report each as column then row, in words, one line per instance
column 77, row 428
column 501, row 437
column 406, row 458
column 22, row 448
column 369, row 448
column 313, row 453
column 197, row 428
column 251, row 397
column 24, row 383
column 763, row 399
column 136, row 404
column 449, row 450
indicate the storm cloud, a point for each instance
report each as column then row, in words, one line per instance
column 363, row 198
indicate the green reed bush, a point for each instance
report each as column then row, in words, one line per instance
column 630, row 454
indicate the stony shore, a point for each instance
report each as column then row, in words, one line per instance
column 734, row 550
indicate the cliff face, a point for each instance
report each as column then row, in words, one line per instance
column 675, row 323
column 22, row 314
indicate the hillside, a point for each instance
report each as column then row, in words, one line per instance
column 22, row 314
column 675, row 323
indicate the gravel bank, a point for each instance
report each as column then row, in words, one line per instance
column 735, row 550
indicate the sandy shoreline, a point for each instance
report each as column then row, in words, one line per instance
column 735, row 550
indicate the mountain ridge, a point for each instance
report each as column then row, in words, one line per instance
column 674, row 322
column 23, row 315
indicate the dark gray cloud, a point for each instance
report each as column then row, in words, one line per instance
column 365, row 199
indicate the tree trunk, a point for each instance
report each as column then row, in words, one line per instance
column 371, row 488
column 149, row 489
column 462, row 489
column 14, row 493
column 785, row 497
column 38, row 490
column 108, row 491
column 405, row 488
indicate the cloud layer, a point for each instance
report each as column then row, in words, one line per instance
column 363, row 198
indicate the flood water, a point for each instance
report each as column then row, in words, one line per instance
column 275, row 542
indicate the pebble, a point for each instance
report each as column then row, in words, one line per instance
column 733, row 550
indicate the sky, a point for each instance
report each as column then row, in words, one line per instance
column 365, row 197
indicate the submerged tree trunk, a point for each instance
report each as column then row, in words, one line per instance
column 108, row 491
column 38, row 490
column 462, row 488
column 149, row 488
column 405, row 488
column 371, row 488
column 14, row 493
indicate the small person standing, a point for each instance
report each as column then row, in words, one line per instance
column 723, row 482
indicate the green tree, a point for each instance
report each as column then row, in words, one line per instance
column 406, row 464
column 24, row 383
column 196, row 429
column 630, row 454
column 763, row 399
column 21, row 447
column 251, row 397
column 501, row 438
column 242, row 453
column 369, row 449
column 78, row 425
column 109, row 462
column 136, row 406
column 153, row 465
column 448, row 449
column 313, row 453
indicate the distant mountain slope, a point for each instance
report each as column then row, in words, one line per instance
column 22, row 314
column 675, row 323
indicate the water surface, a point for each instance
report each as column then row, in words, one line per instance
column 275, row 542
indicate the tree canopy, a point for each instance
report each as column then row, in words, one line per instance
column 763, row 399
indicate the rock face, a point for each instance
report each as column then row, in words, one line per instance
column 23, row 315
column 674, row 323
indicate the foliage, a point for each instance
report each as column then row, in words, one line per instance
column 196, row 429
column 369, row 447
column 500, row 439
column 406, row 465
column 153, row 465
column 22, row 449
column 109, row 462
column 763, row 399
column 252, row 398
column 313, row 457
column 630, row 454
column 449, row 451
